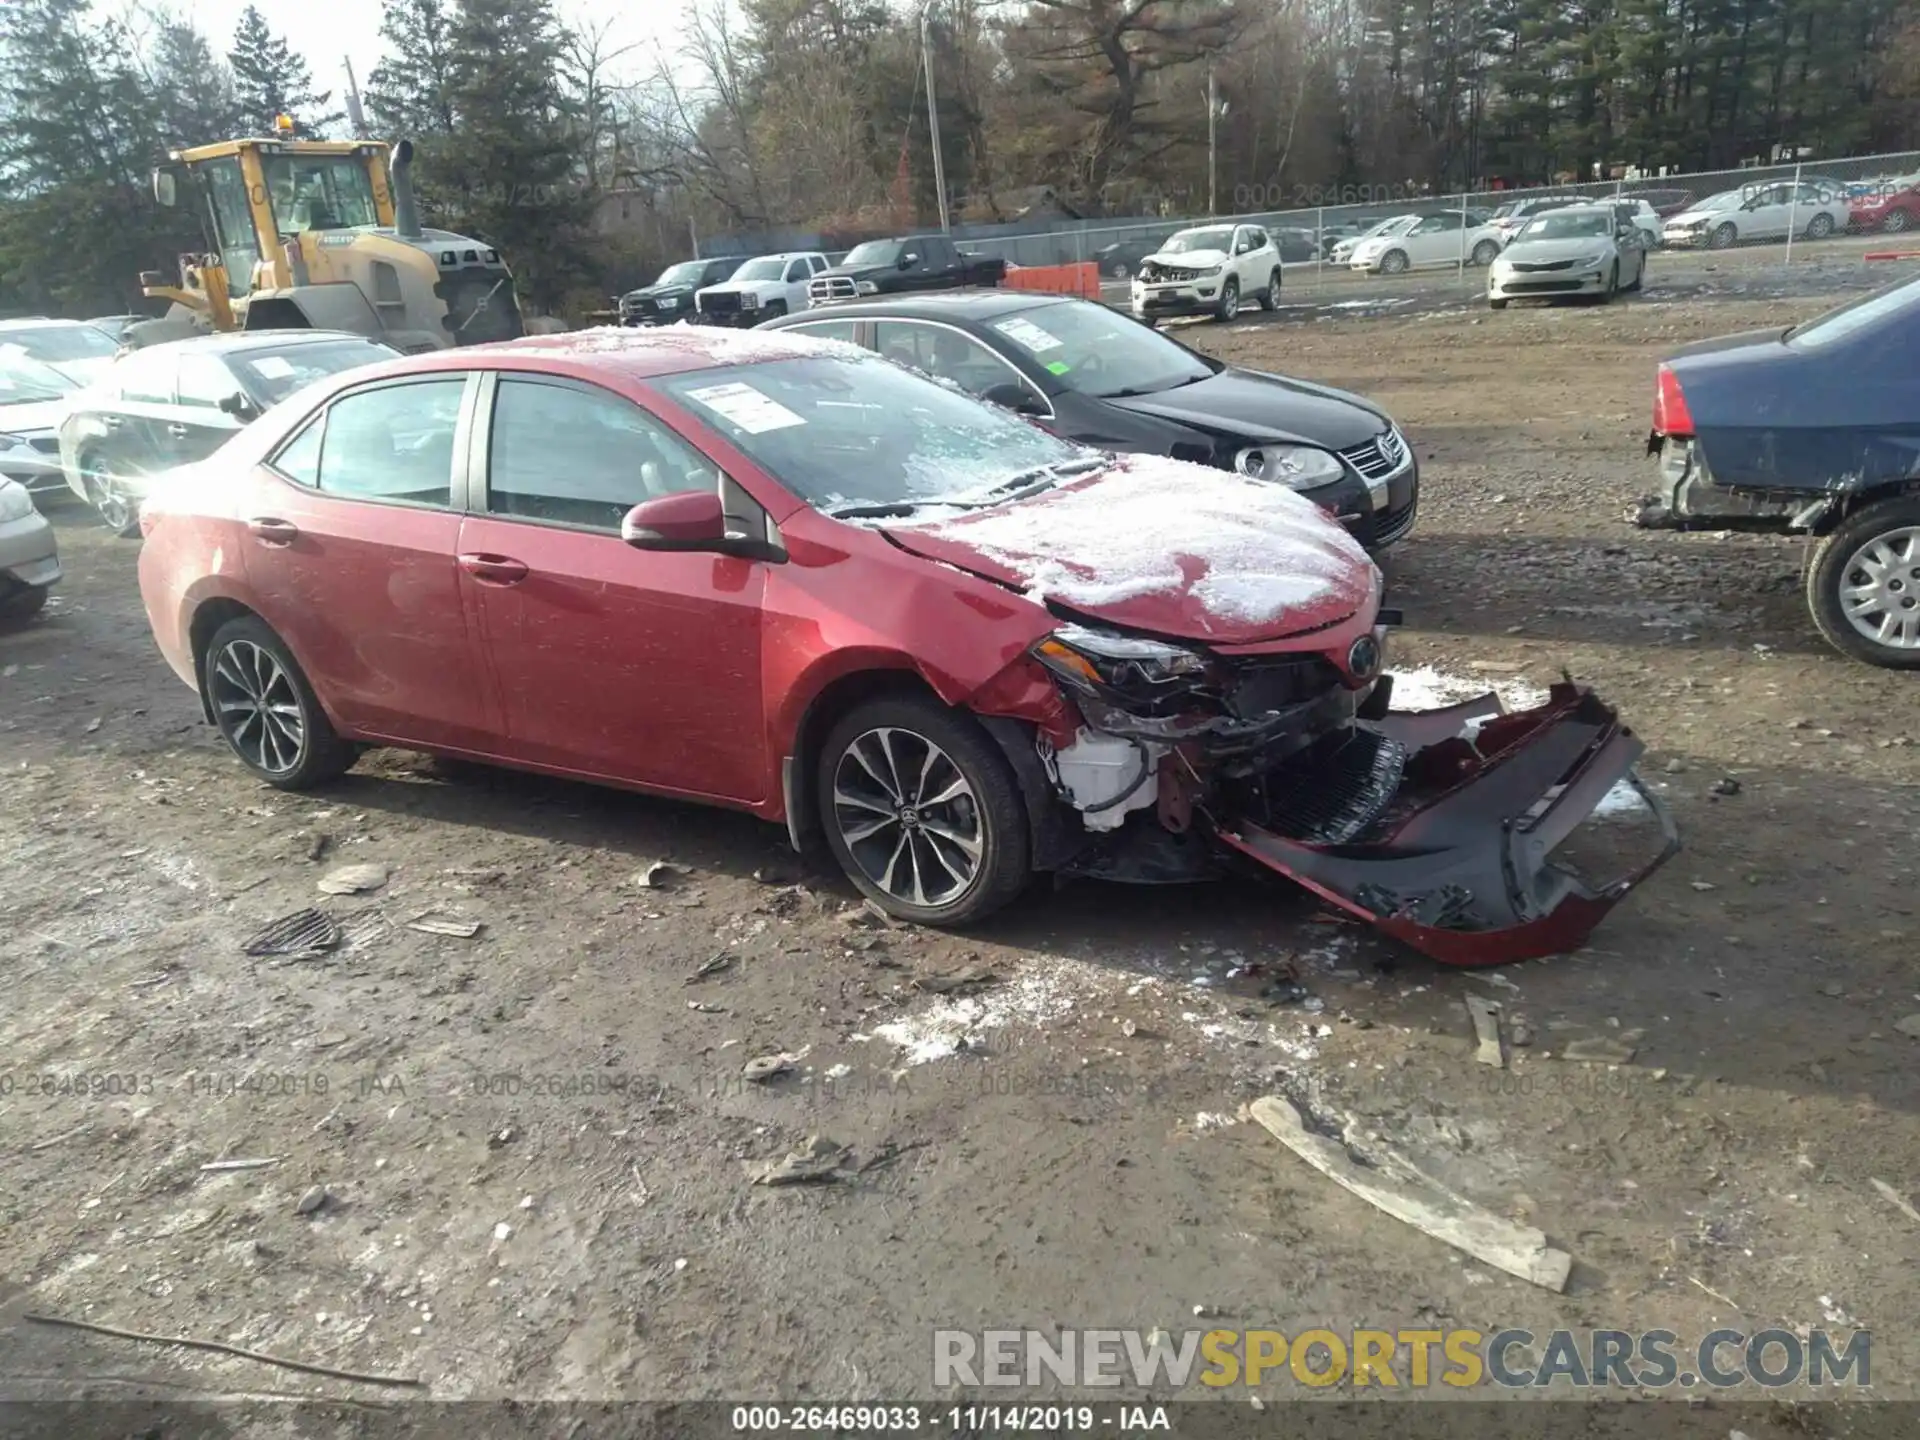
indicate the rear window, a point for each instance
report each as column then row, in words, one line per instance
column 1862, row 314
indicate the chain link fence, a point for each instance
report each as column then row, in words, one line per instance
column 1799, row 209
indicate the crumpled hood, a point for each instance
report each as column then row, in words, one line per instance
column 1161, row 546
column 1188, row 259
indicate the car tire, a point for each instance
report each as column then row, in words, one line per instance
column 950, row 750
column 1723, row 237
column 1270, row 297
column 1820, row 226
column 1495, row 304
column 776, row 309
column 1896, row 221
column 1893, row 527
column 1485, row 253
column 116, row 511
column 1394, row 262
column 1229, row 305
column 23, row 604
column 265, row 709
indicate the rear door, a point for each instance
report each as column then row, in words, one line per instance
column 351, row 531
column 1768, row 214
column 1436, row 239
column 130, row 434
column 198, row 426
column 636, row 666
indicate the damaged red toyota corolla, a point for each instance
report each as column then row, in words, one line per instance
column 786, row 576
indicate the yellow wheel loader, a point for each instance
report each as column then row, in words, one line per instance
column 323, row 235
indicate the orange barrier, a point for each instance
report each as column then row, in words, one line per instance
column 1892, row 255
column 1082, row 280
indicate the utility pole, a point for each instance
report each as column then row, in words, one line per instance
column 933, row 115
column 355, row 116
column 1213, row 142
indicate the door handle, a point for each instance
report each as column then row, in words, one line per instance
column 178, row 432
column 269, row 531
column 494, row 569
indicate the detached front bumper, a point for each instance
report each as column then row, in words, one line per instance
column 1459, row 865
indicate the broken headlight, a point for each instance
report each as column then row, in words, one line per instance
column 1128, row 669
column 1299, row 467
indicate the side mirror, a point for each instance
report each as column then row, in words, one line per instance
column 239, row 406
column 1012, row 395
column 691, row 520
column 165, row 188
column 905, row 262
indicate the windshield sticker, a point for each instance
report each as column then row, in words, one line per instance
column 1026, row 333
column 1058, row 367
column 746, row 407
column 274, row 367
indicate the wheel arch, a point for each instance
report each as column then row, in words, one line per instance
column 207, row 618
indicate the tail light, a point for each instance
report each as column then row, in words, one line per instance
column 1670, row 414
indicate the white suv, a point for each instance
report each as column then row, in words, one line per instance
column 760, row 289
column 1209, row 270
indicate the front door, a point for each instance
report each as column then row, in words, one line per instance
column 622, row 664
column 349, row 535
column 198, row 426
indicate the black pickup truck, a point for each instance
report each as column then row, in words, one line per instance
column 906, row 262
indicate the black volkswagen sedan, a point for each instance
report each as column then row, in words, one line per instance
column 1094, row 375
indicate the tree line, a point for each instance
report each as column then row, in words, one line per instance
column 588, row 163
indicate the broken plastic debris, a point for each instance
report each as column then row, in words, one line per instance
column 354, row 879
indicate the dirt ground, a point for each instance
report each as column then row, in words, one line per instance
column 536, row 1144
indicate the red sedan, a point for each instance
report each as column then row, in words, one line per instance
column 1892, row 207
column 787, row 576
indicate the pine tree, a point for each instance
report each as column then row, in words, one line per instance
column 410, row 92
column 192, row 88
column 271, row 81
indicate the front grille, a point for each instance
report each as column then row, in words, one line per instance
column 724, row 302
column 1392, row 524
column 1334, row 789
column 1168, row 274
column 1541, row 287
column 831, row 288
column 1379, row 457
column 1522, row 266
column 1260, row 687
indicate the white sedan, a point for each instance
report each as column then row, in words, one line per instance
column 1582, row 250
column 1761, row 212
column 1442, row 238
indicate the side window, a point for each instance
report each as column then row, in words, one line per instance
column 817, row 263
column 796, row 270
column 574, row 456
column 205, row 381
column 146, row 379
column 299, row 458
column 393, row 443
column 946, row 354
column 847, row 330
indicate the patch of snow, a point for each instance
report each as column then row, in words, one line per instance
column 942, row 1029
column 1250, row 551
column 1212, row 1120
column 1382, row 304
column 723, row 346
column 838, row 1072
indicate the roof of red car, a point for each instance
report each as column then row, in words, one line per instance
column 643, row 352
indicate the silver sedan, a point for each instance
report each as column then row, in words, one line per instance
column 1581, row 250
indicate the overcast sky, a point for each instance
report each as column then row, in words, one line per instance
column 330, row 32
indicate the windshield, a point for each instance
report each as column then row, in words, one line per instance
column 770, row 267
column 1562, row 226
column 1190, row 240
column 873, row 252
column 1100, row 352
column 24, row 380
column 319, row 192
column 272, row 375
column 1393, row 226
column 61, row 344
column 1859, row 315
column 853, row 432
column 1726, row 200
column 687, row 272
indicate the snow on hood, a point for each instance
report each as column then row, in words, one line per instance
column 722, row 346
column 1165, row 546
column 1188, row 259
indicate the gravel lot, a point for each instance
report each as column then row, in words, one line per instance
column 536, row 1144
